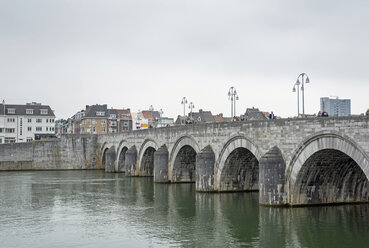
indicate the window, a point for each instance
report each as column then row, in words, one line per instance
column 113, row 116
column 125, row 124
column 29, row 111
column 9, row 130
column 103, row 129
column 11, row 110
column 1, row 140
column 52, row 120
column 29, row 120
column 11, row 120
column 100, row 113
column 39, row 120
column 102, row 121
column 94, row 129
column 39, row 129
column 9, row 140
column 113, row 123
column 44, row 111
column 93, row 121
column 47, row 120
column 29, row 139
column 1, row 130
column 29, row 129
column 47, row 129
column 88, row 130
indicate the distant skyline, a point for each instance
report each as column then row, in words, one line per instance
column 133, row 54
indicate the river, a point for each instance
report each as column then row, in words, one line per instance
column 96, row 209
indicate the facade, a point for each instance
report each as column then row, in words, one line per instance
column 124, row 120
column 95, row 120
column 112, row 121
column 164, row 122
column 75, row 123
column 335, row 106
column 24, row 123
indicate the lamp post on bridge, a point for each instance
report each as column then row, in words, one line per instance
column 191, row 106
column 184, row 102
column 304, row 79
column 232, row 95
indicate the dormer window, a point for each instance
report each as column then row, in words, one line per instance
column 113, row 116
column 44, row 111
column 29, row 111
column 11, row 110
column 100, row 113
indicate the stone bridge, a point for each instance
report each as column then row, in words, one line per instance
column 290, row 161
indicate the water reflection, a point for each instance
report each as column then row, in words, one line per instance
column 93, row 209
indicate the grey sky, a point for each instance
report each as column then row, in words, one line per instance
column 136, row 53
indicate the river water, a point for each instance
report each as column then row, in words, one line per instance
column 95, row 209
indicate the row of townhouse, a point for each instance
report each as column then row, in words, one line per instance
column 99, row 119
column 24, row 123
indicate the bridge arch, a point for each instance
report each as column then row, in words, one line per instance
column 121, row 154
column 146, row 158
column 183, row 160
column 104, row 148
column 328, row 168
column 237, row 167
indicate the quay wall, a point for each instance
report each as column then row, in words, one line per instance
column 70, row 152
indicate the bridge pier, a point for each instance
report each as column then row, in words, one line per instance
column 131, row 161
column 110, row 157
column 272, row 179
column 161, row 157
column 205, row 161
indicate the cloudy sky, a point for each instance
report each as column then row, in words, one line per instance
column 137, row 53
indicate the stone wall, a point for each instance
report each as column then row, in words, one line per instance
column 69, row 152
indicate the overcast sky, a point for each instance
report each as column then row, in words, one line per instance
column 137, row 53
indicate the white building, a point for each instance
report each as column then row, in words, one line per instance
column 24, row 123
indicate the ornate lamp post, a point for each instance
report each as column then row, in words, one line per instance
column 232, row 95
column 191, row 106
column 304, row 79
column 298, row 96
column 184, row 102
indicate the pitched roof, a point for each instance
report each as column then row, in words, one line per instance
column 21, row 109
column 91, row 111
column 121, row 112
column 254, row 114
column 218, row 118
column 202, row 116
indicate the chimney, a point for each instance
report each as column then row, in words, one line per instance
column 200, row 110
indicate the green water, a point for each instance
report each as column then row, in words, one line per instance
column 94, row 209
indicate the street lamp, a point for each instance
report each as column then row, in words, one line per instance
column 184, row 102
column 304, row 79
column 151, row 108
column 191, row 106
column 298, row 96
column 232, row 95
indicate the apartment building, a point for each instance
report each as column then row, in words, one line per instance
column 24, row 123
column 95, row 120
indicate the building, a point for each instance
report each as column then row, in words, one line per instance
column 218, row 118
column 164, row 122
column 124, row 120
column 24, row 123
column 95, row 120
column 75, row 122
column 112, row 121
column 335, row 106
column 196, row 118
column 255, row 114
